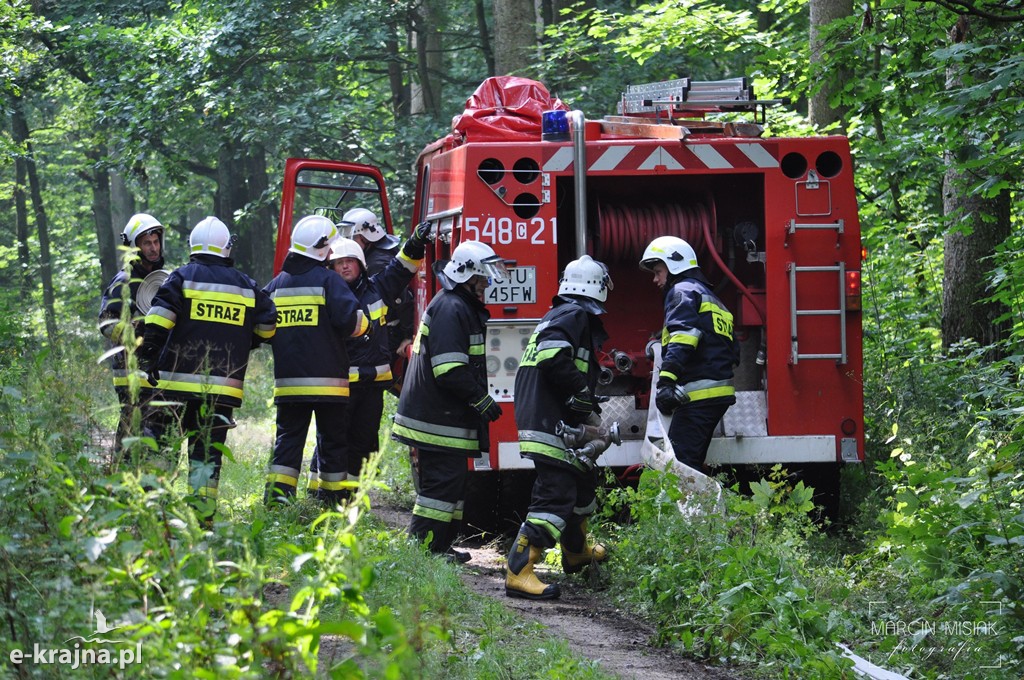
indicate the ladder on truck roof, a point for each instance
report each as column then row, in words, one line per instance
column 684, row 97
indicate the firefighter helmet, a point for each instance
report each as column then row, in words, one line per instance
column 362, row 222
column 676, row 253
column 139, row 224
column 469, row 259
column 312, row 237
column 211, row 236
column 346, row 247
column 587, row 277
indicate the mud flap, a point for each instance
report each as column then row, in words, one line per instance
column 702, row 494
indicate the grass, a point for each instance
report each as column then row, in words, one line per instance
column 246, row 599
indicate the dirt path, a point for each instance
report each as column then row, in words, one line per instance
column 592, row 627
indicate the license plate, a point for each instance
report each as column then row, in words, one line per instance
column 519, row 288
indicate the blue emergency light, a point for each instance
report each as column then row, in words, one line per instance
column 554, row 126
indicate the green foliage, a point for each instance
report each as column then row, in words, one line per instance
column 735, row 587
column 296, row 591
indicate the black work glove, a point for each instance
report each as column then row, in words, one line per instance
column 416, row 246
column 582, row 402
column 153, row 377
column 421, row 234
column 146, row 355
column 487, row 408
column 670, row 396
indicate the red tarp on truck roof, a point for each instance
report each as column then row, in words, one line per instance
column 505, row 109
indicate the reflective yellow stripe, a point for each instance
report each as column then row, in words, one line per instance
column 335, row 486
column 430, row 513
column 157, row 320
column 711, row 392
column 545, row 526
column 219, row 296
column 274, row 477
column 444, row 368
column 311, row 391
column 682, row 339
column 437, row 440
column 200, row 388
column 285, row 300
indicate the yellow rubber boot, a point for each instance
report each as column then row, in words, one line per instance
column 591, row 553
column 520, row 580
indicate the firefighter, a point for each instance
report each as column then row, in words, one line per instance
column 369, row 372
column 695, row 384
column 316, row 314
column 445, row 409
column 145, row 234
column 204, row 321
column 379, row 249
column 555, row 384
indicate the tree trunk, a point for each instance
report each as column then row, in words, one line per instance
column 261, row 224
column 485, row 35
column 515, row 36
column 122, row 206
column 400, row 92
column 99, row 182
column 21, row 220
column 426, row 89
column 20, row 134
column 829, row 82
column 978, row 226
column 982, row 225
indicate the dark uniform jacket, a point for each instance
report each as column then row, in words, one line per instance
column 447, row 374
column 559, row 361
column 111, row 307
column 401, row 306
column 316, row 314
column 698, row 349
column 206, row 316
column 370, row 355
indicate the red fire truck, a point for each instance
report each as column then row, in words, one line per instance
column 773, row 221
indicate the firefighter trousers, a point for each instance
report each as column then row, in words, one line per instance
column 562, row 499
column 440, row 489
column 365, row 408
column 205, row 424
column 293, row 420
column 692, row 427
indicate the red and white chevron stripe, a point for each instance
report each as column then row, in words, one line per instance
column 625, row 157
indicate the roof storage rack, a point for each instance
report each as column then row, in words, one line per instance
column 687, row 98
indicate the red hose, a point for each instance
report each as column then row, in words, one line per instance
column 625, row 231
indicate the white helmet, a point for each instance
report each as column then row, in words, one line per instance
column 362, row 222
column 346, row 247
column 587, row 277
column 211, row 236
column 139, row 224
column 312, row 237
column 676, row 253
column 473, row 258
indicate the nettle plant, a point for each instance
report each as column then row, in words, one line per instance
column 256, row 597
column 955, row 525
column 727, row 585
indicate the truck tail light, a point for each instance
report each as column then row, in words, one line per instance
column 853, row 291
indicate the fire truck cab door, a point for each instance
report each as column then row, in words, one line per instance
column 328, row 188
